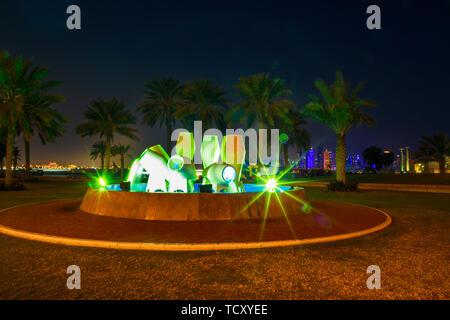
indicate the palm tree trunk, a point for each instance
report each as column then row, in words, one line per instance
column 122, row 165
column 169, row 134
column 426, row 167
column 286, row 155
column 27, row 160
column 260, row 163
column 102, row 159
column 107, row 154
column 341, row 150
column 442, row 166
column 9, row 155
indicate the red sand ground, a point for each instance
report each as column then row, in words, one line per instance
column 64, row 218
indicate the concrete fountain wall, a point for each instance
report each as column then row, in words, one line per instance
column 190, row 206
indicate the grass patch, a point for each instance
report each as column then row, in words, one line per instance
column 43, row 190
column 340, row 186
column 439, row 179
column 413, row 255
column 15, row 186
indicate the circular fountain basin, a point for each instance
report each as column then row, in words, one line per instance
column 162, row 206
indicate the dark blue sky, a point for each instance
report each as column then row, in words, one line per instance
column 124, row 43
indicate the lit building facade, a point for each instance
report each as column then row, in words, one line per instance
column 354, row 163
column 310, row 159
column 319, row 158
column 326, row 160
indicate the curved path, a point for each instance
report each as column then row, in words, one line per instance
column 62, row 222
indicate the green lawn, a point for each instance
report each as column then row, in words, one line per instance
column 442, row 179
column 413, row 255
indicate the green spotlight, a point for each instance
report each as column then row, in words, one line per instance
column 271, row 185
column 102, row 182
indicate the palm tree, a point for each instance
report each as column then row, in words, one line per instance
column 264, row 101
column 107, row 118
column 203, row 101
column 17, row 82
column 2, row 154
column 340, row 109
column 121, row 150
column 264, row 104
column 434, row 148
column 98, row 151
column 2, row 148
column 41, row 116
column 297, row 134
column 163, row 97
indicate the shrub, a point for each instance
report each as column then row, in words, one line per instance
column 340, row 186
column 15, row 186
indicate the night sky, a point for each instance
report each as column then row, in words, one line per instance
column 124, row 43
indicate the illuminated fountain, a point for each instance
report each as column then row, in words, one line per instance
column 160, row 187
column 188, row 209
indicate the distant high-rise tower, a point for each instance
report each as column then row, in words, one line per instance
column 310, row 159
column 407, row 158
column 326, row 160
column 358, row 163
column 319, row 158
column 332, row 160
column 402, row 168
column 404, row 160
column 304, row 165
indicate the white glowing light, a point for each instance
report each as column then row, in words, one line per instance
column 175, row 163
column 102, row 182
column 158, row 173
column 229, row 174
column 271, row 185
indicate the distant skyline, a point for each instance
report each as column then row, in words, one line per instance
column 123, row 44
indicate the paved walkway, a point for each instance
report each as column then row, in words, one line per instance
column 63, row 222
